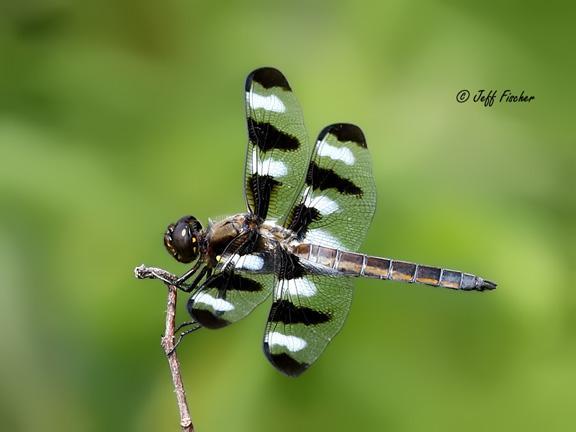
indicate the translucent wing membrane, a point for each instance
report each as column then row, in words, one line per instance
column 308, row 311
column 339, row 197
column 326, row 199
column 236, row 288
column 278, row 149
column 334, row 209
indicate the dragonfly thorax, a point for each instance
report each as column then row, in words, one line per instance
column 275, row 233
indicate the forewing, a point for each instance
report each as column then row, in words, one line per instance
column 233, row 291
column 309, row 309
column 338, row 200
column 278, row 149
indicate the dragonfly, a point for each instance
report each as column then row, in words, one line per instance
column 308, row 210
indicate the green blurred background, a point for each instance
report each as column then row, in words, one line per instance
column 117, row 117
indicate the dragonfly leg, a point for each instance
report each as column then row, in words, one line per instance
column 180, row 281
column 206, row 271
column 184, row 324
column 195, row 327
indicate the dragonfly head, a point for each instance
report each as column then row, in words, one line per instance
column 182, row 239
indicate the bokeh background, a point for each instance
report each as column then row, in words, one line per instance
column 117, row 117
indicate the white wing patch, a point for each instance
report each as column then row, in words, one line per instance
column 272, row 167
column 336, row 153
column 323, row 238
column 268, row 103
column 295, row 287
column 322, row 203
column 292, row 343
column 249, row 262
column 219, row 305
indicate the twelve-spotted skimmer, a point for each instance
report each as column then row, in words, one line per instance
column 308, row 212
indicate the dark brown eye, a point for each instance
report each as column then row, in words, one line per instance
column 182, row 238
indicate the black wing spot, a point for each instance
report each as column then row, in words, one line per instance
column 345, row 132
column 204, row 317
column 232, row 281
column 266, row 136
column 286, row 312
column 284, row 363
column 324, row 178
column 267, row 77
column 262, row 187
column 301, row 218
column 289, row 266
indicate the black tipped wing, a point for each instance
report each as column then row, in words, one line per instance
column 278, row 149
column 335, row 209
column 239, row 284
column 309, row 309
column 338, row 200
column 326, row 198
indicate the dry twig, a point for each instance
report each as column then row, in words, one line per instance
column 167, row 341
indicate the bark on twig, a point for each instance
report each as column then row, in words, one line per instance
column 167, row 340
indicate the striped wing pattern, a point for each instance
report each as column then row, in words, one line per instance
column 338, row 201
column 235, row 289
column 308, row 311
column 276, row 159
column 278, row 149
column 326, row 197
column 335, row 207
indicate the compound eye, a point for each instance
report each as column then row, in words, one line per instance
column 181, row 240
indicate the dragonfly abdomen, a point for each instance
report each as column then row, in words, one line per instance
column 358, row 265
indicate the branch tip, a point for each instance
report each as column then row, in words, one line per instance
column 167, row 341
